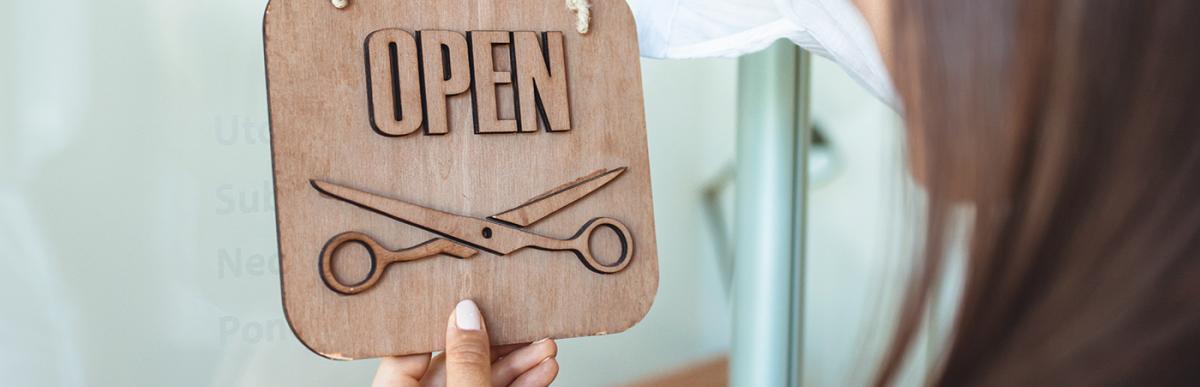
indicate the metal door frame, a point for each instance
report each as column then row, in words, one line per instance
column 772, row 145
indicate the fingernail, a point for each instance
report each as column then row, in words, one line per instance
column 466, row 316
column 543, row 340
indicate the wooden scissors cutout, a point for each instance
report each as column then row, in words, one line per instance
column 464, row 236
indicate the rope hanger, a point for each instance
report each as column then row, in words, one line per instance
column 583, row 12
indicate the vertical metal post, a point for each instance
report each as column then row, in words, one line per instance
column 769, row 217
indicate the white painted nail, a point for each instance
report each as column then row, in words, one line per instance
column 466, row 316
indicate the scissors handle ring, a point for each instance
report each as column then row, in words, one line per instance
column 584, row 248
column 326, row 262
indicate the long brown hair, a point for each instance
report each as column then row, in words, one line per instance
column 1073, row 129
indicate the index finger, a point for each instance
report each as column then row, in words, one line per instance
column 503, row 350
column 401, row 371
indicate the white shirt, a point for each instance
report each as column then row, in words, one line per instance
column 724, row 28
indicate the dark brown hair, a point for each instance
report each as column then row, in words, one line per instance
column 1073, row 130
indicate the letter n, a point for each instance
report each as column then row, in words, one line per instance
column 541, row 82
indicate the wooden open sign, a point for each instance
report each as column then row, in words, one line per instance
column 428, row 151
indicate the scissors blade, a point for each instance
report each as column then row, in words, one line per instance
column 457, row 228
column 556, row 199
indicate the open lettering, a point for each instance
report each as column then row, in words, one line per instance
column 410, row 78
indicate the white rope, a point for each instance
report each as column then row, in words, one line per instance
column 583, row 13
column 582, row 9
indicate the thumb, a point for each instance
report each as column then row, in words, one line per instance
column 468, row 358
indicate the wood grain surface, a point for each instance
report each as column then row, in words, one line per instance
column 328, row 124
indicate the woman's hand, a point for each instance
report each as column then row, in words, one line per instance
column 470, row 361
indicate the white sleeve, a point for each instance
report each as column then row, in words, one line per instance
column 725, row 28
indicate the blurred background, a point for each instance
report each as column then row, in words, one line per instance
column 137, row 224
